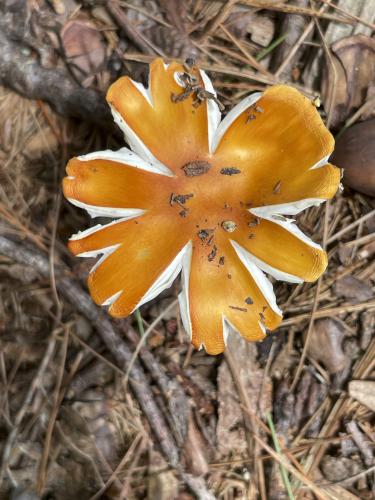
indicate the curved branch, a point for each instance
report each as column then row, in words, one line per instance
column 20, row 71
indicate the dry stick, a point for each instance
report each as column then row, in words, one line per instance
column 97, row 354
column 146, row 13
column 51, row 256
column 124, row 491
column 360, row 372
column 297, row 45
column 225, row 70
column 265, row 373
column 111, row 338
column 323, row 407
column 351, row 226
column 304, row 296
column 230, row 52
column 251, row 60
column 291, row 29
column 293, row 470
column 42, row 472
column 130, row 30
column 360, row 241
column 291, row 9
column 4, row 406
column 249, row 421
column 313, row 311
column 8, row 216
column 325, row 234
column 349, row 14
column 144, row 337
column 85, row 456
column 12, row 436
column 366, row 106
column 26, row 76
column 59, row 397
column 279, row 458
column 118, row 469
column 362, row 442
column 68, row 384
column 333, row 86
column 220, row 18
column 171, row 389
column 116, row 345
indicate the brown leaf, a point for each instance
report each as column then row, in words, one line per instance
column 354, row 63
column 84, row 47
column 325, row 345
column 339, row 468
column 355, row 153
column 195, row 450
column 353, row 289
column 364, row 392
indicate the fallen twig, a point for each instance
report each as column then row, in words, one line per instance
column 22, row 73
column 116, row 345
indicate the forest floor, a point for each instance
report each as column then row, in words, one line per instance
column 86, row 415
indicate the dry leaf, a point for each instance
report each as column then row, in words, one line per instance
column 353, row 289
column 355, row 153
column 339, row 468
column 354, row 63
column 364, row 392
column 245, row 21
column 325, row 345
column 84, row 47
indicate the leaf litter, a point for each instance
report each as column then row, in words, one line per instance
column 101, row 437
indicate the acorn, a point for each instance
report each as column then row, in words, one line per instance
column 355, row 153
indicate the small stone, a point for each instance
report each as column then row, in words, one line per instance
column 229, row 226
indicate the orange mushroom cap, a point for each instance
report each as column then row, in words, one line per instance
column 204, row 196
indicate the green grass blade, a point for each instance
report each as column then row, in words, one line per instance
column 284, row 474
